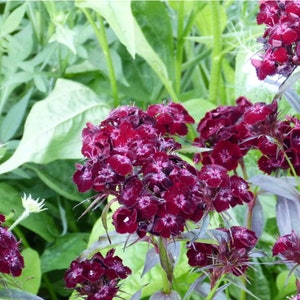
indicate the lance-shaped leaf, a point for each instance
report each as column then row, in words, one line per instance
column 284, row 186
column 288, row 215
column 53, row 127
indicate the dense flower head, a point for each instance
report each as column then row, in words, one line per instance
column 288, row 247
column 229, row 132
column 11, row 260
column 98, row 277
column 281, row 39
column 130, row 155
column 230, row 255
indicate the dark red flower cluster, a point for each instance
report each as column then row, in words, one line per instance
column 130, row 155
column 231, row 131
column 231, row 255
column 11, row 260
column 281, row 38
column 98, row 277
column 288, row 246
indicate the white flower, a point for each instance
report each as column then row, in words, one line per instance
column 32, row 205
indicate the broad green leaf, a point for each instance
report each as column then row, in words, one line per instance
column 40, row 223
column 31, row 274
column 10, row 123
column 197, row 108
column 155, row 23
column 63, row 251
column 13, row 20
column 120, row 18
column 57, row 176
column 53, row 127
column 285, row 283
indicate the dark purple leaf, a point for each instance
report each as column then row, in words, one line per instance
column 137, row 295
column 152, row 259
column 17, row 294
column 162, row 296
column 258, row 220
column 283, row 186
column 288, row 215
column 192, row 287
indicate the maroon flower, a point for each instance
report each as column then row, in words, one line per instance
column 231, row 255
column 288, row 246
column 125, row 220
column 226, row 154
column 171, row 118
column 97, row 278
column 280, row 54
column 11, row 260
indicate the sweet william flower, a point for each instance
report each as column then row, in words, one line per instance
column 288, row 247
column 11, row 260
column 230, row 255
column 97, row 278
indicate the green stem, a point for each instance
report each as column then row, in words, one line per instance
column 166, row 264
column 50, row 288
column 102, row 39
column 213, row 291
column 215, row 78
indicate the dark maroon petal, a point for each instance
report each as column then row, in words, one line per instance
column 115, row 268
column 125, row 220
column 295, row 139
column 2, row 219
column 240, row 189
column 83, row 178
column 223, row 200
column 243, row 237
column 167, row 224
column 214, row 175
column 73, row 275
column 227, row 155
column 280, row 55
column 11, row 262
column 200, row 254
column 121, row 164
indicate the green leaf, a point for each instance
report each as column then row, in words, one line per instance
column 197, row 108
column 65, row 36
column 10, row 123
column 120, row 18
column 13, row 20
column 57, row 176
column 259, row 285
column 155, row 23
column 31, row 274
column 285, row 283
column 41, row 223
column 53, row 127
column 63, row 251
